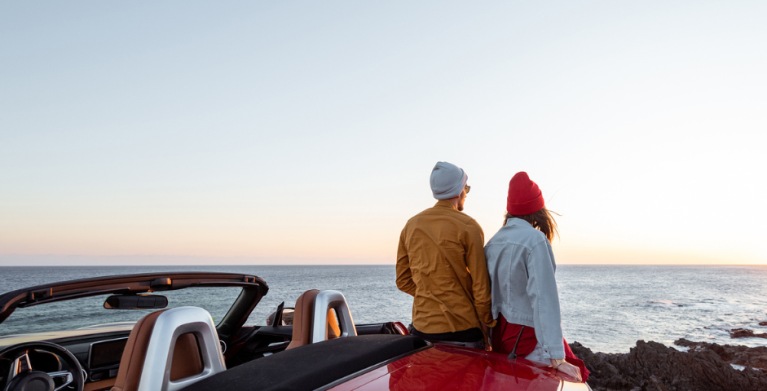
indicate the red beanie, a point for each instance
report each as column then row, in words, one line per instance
column 524, row 196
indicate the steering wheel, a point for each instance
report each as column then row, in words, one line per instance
column 23, row 377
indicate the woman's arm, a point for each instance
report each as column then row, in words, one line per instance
column 544, row 298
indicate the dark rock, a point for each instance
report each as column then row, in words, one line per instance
column 762, row 323
column 651, row 366
column 734, row 354
column 745, row 333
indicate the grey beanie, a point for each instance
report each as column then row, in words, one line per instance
column 447, row 180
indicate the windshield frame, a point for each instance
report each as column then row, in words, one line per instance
column 253, row 289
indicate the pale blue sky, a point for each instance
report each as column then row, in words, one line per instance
column 305, row 132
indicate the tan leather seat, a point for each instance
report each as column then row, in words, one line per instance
column 186, row 359
column 187, row 331
column 303, row 314
column 304, row 325
column 334, row 329
column 132, row 360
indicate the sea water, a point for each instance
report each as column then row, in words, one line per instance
column 606, row 308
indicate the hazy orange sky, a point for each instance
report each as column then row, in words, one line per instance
column 305, row 132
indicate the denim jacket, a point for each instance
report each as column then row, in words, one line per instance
column 521, row 266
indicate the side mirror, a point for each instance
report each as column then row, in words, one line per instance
column 287, row 316
column 282, row 316
column 135, row 302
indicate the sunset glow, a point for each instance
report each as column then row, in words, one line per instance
column 278, row 133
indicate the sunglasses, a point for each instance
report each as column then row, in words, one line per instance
column 467, row 188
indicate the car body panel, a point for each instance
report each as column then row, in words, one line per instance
column 446, row 367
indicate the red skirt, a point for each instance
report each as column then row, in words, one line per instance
column 506, row 335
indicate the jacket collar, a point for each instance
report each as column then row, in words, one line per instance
column 517, row 221
column 445, row 204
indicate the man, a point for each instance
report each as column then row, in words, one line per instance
column 441, row 263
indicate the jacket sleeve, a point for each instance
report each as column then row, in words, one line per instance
column 404, row 276
column 480, row 280
column 542, row 289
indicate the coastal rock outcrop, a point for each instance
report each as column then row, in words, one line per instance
column 734, row 354
column 651, row 366
column 746, row 333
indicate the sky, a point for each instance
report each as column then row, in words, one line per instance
column 304, row 132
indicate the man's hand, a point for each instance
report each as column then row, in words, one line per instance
column 486, row 336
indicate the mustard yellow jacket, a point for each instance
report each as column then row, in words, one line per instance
column 441, row 263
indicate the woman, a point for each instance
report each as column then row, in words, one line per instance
column 524, row 291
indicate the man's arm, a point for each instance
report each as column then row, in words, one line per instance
column 480, row 285
column 404, row 276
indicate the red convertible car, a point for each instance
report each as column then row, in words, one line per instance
column 191, row 331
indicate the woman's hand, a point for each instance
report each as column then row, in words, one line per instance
column 567, row 368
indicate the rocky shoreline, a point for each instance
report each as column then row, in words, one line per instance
column 651, row 366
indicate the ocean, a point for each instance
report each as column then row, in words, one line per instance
column 606, row 308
